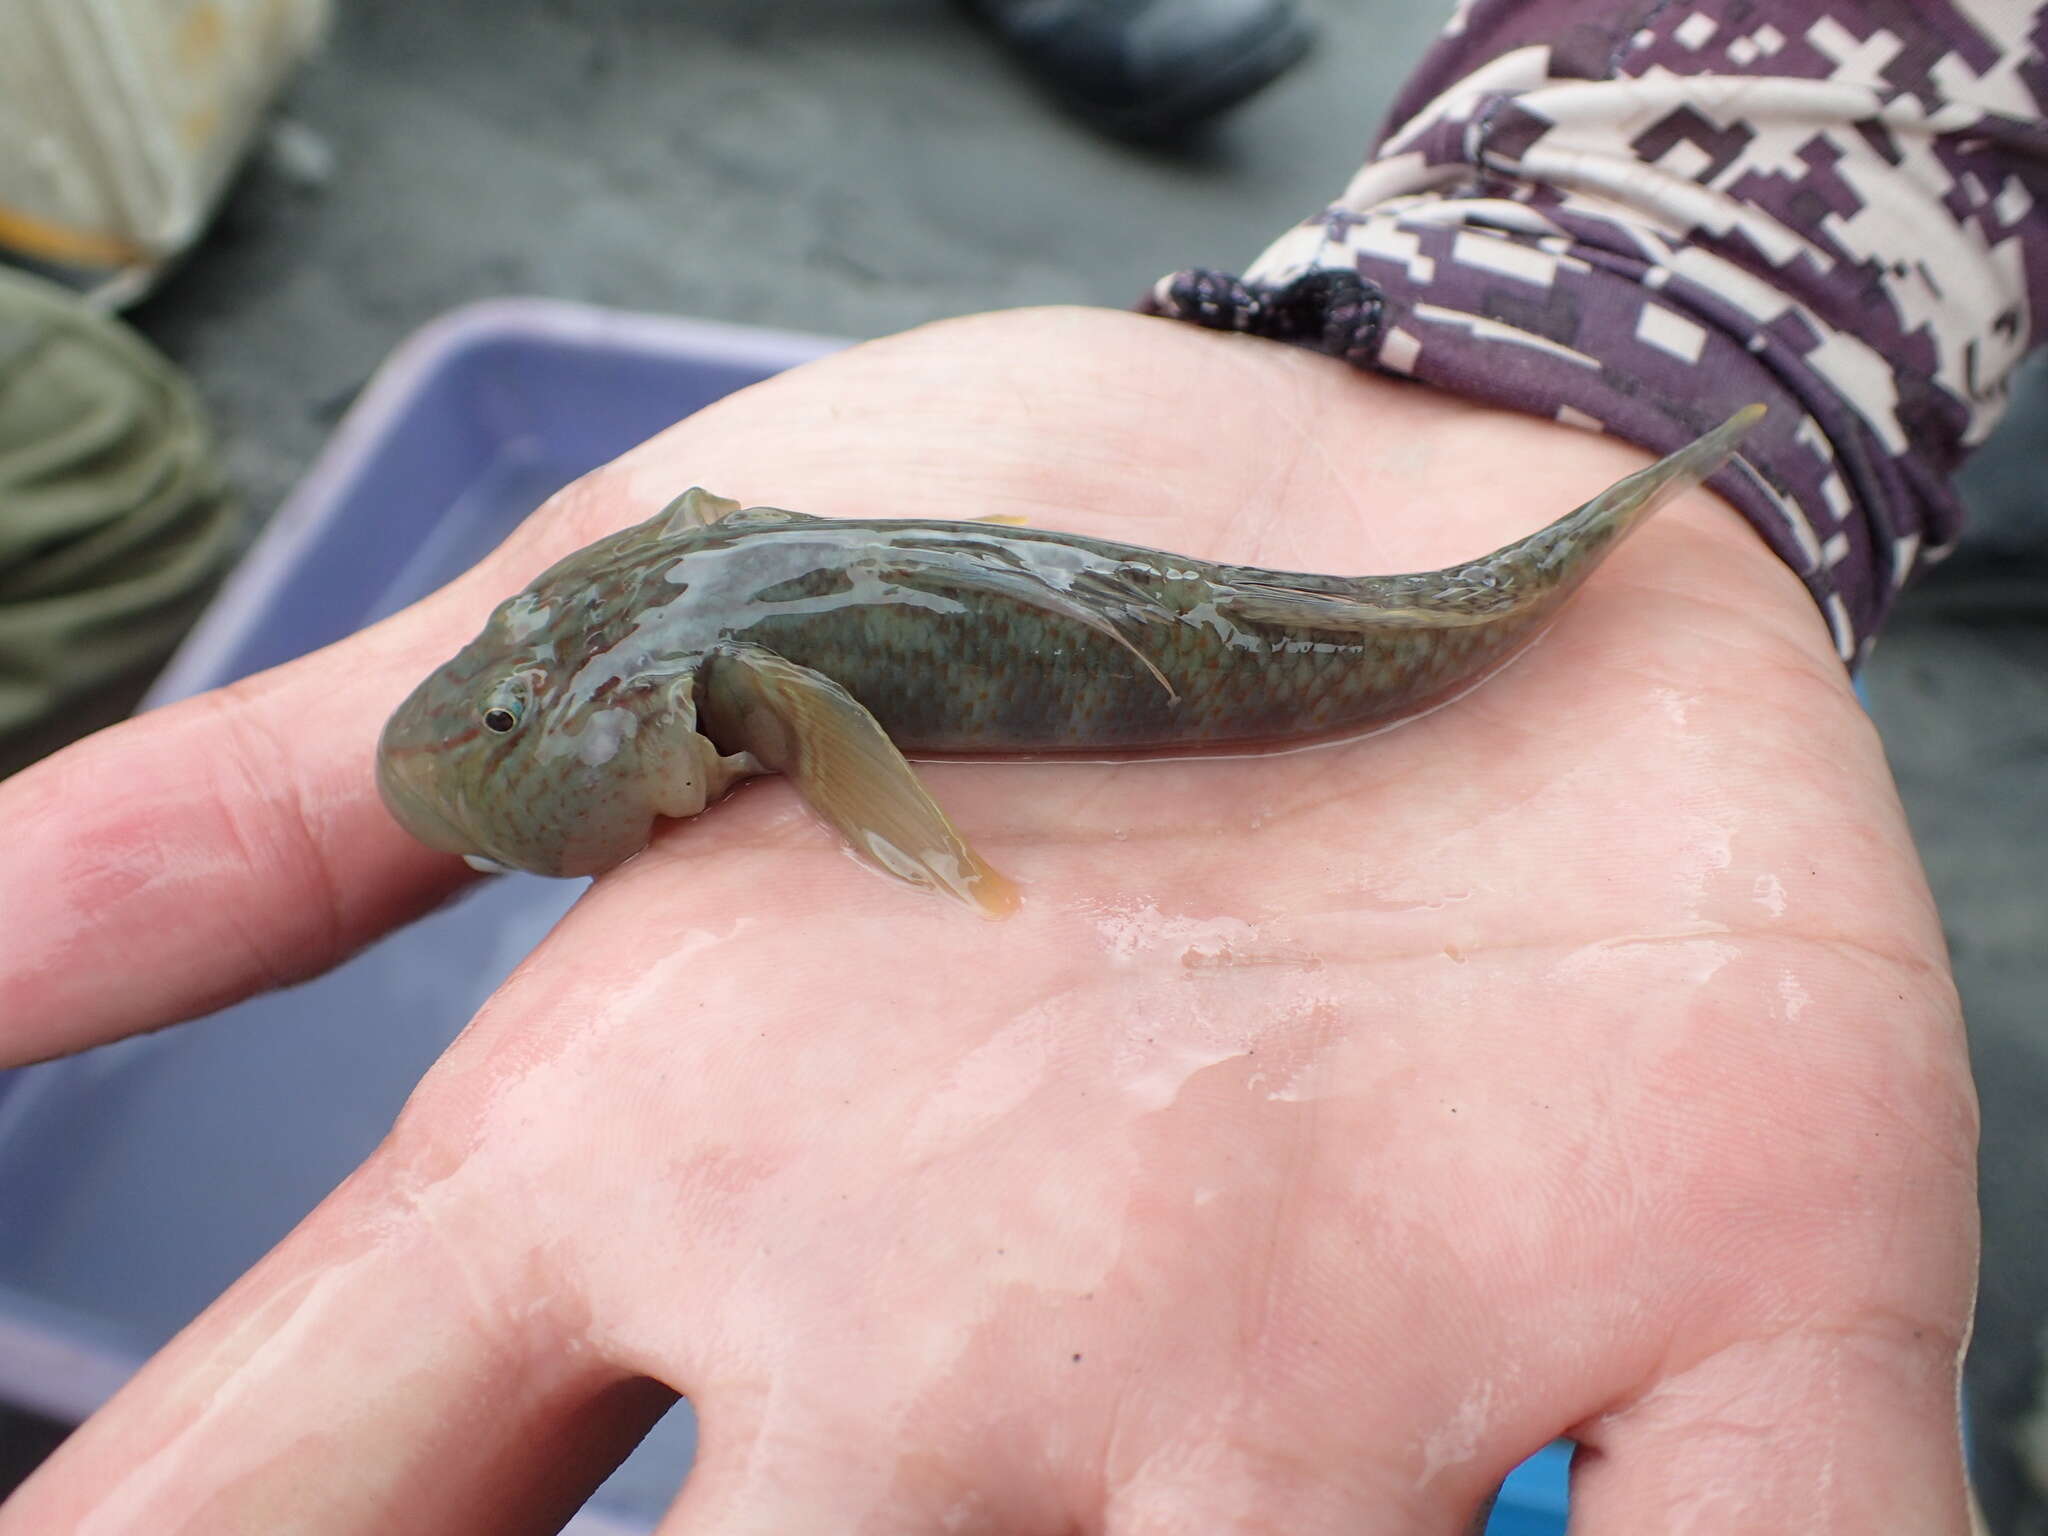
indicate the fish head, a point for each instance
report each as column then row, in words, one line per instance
column 545, row 751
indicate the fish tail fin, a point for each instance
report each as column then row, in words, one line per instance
column 1521, row 581
column 1567, row 544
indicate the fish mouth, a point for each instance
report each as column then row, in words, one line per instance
column 416, row 810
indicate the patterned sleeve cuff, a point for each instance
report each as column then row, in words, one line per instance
column 1649, row 251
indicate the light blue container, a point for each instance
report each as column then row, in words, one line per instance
column 138, row 1180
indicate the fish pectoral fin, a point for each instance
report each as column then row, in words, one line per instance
column 800, row 723
column 1299, row 608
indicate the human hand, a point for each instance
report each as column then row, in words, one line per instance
column 1324, row 1134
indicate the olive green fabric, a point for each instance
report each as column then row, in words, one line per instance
column 114, row 517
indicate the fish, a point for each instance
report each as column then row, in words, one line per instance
column 640, row 678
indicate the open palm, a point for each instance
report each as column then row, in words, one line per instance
column 1324, row 1134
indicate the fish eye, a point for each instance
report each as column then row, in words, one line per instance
column 499, row 719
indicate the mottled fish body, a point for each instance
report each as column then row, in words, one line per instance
column 643, row 675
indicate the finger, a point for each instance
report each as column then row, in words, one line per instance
column 843, row 1467
column 1303, row 1501
column 235, row 841
column 1332, row 1479
column 378, row 1372
column 736, row 1494
column 208, row 850
column 1811, row 1430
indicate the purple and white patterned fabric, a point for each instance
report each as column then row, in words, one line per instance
column 1641, row 217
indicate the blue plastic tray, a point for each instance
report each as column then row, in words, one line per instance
column 138, row 1180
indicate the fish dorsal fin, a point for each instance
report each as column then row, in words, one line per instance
column 1265, row 602
column 1084, row 602
column 697, row 508
column 802, row 724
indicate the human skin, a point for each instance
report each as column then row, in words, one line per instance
column 1324, row 1133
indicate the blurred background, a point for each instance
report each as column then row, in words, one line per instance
column 852, row 167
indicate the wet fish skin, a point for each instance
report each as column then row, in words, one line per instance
column 643, row 675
